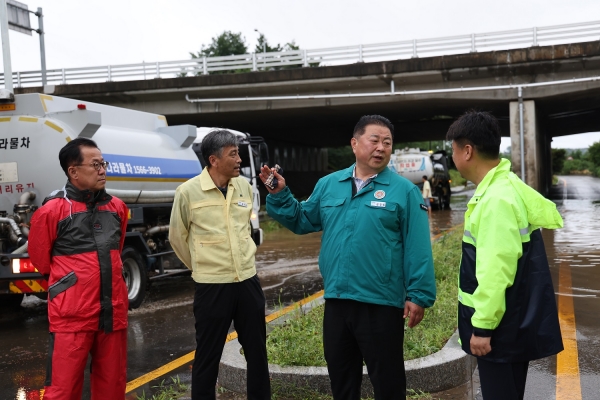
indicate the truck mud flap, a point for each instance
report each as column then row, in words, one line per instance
column 61, row 285
column 28, row 286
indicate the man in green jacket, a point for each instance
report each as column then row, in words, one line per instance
column 375, row 260
column 507, row 312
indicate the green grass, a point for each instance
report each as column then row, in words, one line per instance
column 300, row 341
column 169, row 391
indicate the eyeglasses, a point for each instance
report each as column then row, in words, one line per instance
column 95, row 164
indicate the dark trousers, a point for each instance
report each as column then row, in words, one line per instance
column 215, row 306
column 353, row 331
column 502, row 381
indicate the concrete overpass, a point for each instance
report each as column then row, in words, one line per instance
column 549, row 110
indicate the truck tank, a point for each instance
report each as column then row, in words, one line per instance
column 412, row 164
column 147, row 159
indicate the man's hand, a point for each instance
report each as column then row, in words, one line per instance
column 414, row 312
column 480, row 346
column 265, row 171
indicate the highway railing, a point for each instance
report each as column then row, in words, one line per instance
column 537, row 36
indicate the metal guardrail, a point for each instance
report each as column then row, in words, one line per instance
column 556, row 34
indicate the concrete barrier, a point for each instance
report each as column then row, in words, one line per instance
column 448, row 368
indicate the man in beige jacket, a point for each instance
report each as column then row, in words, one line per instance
column 210, row 233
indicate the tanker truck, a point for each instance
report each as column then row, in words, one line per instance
column 413, row 164
column 147, row 161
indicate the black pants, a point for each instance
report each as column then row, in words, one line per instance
column 215, row 306
column 353, row 331
column 502, row 381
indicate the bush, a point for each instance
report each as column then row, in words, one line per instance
column 576, row 166
column 457, row 180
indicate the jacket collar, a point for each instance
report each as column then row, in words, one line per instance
column 86, row 196
column 502, row 169
column 383, row 177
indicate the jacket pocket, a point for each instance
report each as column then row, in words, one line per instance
column 62, row 284
column 210, row 253
column 331, row 208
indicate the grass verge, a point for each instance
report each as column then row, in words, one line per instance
column 167, row 391
column 300, row 341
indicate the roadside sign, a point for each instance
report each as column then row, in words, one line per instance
column 18, row 17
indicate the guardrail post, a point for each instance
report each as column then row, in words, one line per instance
column 415, row 48
column 64, row 77
column 535, row 43
column 109, row 73
column 144, row 68
column 360, row 54
column 18, row 79
column 473, row 49
column 254, row 62
column 157, row 71
column 304, row 59
column 204, row 66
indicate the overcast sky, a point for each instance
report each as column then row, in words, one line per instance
column 82, row 33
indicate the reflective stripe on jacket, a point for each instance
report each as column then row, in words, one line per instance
column 211, row 234
column 505, row 287
column 375, row 246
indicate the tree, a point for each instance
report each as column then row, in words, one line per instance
column 594, row 154
column 226, row 44
column 229, row 43
column 558, row 160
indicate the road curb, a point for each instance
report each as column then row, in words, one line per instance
column 448, row 368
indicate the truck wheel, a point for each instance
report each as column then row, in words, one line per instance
column 12, row 301
column 136, row 277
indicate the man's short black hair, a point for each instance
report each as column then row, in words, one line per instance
column 70, row 154
column 366, row 120
column 214, row 143
column 425, row 177
column 479, row 129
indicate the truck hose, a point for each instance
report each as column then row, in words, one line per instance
column 22, row 249
column 13, row 225
column 26, row 197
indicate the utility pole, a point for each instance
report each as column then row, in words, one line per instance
column 264, row 47
column 40, row 32
column 18, row 20
column 8, row 84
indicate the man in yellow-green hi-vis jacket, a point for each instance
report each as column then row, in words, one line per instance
column 507, row 313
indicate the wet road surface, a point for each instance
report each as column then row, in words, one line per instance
column 162, row 329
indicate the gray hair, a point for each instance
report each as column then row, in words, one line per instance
column 214, row 143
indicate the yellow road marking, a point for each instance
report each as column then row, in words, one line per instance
column 165, row 369
column 568, row 384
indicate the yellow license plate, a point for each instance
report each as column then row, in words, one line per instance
column 7, row 107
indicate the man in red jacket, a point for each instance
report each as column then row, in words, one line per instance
column 76, row 239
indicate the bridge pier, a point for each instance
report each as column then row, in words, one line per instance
column 538, row 169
